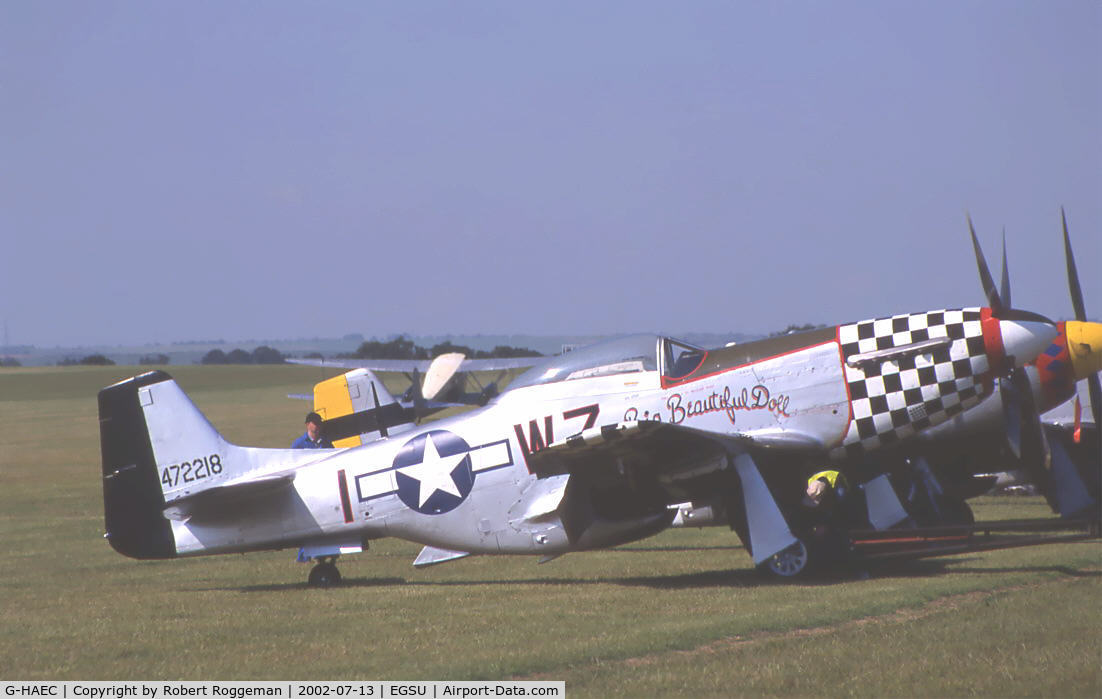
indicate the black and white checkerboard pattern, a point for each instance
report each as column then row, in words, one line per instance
column 894, row 399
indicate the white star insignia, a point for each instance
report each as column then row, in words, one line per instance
column 434, row 472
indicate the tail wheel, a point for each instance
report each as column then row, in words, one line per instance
column 789, row 563
column 325, row 574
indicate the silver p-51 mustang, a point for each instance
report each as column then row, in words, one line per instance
column 583, row 451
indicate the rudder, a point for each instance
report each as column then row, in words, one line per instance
column 133, row 502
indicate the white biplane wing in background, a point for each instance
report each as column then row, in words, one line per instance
column 357, row 407
column 408, row 366
column 445, row 376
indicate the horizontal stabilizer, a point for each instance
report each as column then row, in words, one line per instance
column 223, row 499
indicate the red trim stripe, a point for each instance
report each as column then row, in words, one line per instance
column 993, row 341
column 845, row 382
column 346, row 504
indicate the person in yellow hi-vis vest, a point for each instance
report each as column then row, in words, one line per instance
column 827, row 519
column 825, row 488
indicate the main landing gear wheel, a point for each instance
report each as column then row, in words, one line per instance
column 955, row 513
column 789, row 563
column 325, row 574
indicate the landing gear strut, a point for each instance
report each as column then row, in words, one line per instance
column 325, row 573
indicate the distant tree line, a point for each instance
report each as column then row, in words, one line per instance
column 154, row 359
column 10, row 361
column 797, row 329
column 403, row 348
column 260, row 355
column 89, row 360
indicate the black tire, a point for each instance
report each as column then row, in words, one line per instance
column 324, row 575
column 793, row 562
column 955, row 513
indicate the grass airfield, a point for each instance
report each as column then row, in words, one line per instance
column 683, row 613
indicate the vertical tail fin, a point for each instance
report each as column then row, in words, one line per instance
column 133, row 502
column 173, row 486
column 158, row 449
column 357, row 408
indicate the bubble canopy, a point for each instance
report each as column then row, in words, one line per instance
column 622, row 355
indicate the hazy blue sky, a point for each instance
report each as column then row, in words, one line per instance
column 186, row 170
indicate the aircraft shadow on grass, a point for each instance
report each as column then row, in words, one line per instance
column 1062, row 570
column 732, row 578
column 673, row 549
column 736, row 578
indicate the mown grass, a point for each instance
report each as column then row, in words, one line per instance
column 682, row 613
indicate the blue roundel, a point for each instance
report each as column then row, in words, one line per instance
column 433, row 472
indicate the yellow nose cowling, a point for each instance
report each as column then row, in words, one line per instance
column 1085, row 347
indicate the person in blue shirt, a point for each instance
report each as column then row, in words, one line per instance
column 312, row 438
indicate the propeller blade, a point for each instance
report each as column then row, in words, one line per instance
column 1012, row 415
column 993, row 300
column 1094, row 388
column 1073, row 275
column 1004, row 286
column 1025, row 435
column 440, row 373
column 1070, row 495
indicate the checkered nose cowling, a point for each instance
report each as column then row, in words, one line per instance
column 895, row 398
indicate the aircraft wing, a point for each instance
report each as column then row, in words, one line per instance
column 422, row 365
column 679, row 461
column 650, row 446
column 657, row 448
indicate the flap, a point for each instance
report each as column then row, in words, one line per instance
column 541, row 499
